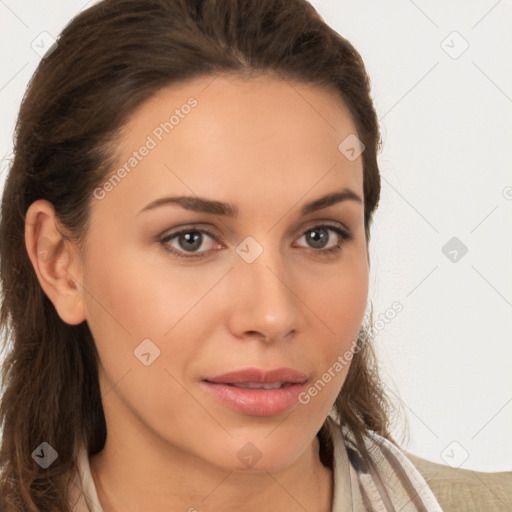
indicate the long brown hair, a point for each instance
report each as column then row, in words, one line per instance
column 107, row 61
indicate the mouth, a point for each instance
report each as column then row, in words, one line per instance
column 257, row 392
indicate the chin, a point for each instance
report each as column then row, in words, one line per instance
column 262, row 455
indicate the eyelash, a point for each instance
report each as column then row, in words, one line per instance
column 344, row 235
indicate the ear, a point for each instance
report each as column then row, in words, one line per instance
column 55, row 260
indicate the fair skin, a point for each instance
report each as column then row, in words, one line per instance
column 267, row 148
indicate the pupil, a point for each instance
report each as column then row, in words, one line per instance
column 193, row 240
column 321, row 237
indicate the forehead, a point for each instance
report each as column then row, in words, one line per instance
column 228, row 136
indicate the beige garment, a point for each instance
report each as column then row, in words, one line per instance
column 458, row 489
column 399, row 486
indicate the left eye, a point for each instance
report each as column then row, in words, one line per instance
column 191, row 240
column 319, row 237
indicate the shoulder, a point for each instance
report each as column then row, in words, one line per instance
column 458, row 489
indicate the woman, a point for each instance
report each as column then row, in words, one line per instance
column 184, row 264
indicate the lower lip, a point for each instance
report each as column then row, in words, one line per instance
column 256, row 402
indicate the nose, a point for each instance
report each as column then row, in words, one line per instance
column 265, row 304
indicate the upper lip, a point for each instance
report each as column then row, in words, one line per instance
column 261, row 376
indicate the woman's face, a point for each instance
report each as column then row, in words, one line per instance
column 184, row 292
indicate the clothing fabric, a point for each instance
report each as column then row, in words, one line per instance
column 396, row 486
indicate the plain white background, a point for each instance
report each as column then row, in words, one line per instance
column 442, row 83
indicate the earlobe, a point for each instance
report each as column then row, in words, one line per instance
column 55, row 261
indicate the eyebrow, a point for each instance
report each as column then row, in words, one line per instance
column 200, row 204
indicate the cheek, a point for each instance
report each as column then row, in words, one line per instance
column 125, row 304
column 138, row 315
column 137, row 295
column 339, row 300
column 340, row 304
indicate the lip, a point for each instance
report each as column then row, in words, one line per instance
column 257, row 402
column 260, row 375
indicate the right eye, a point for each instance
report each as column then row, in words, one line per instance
column 187, row 242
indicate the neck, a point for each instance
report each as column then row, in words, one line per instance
column 126, row 480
